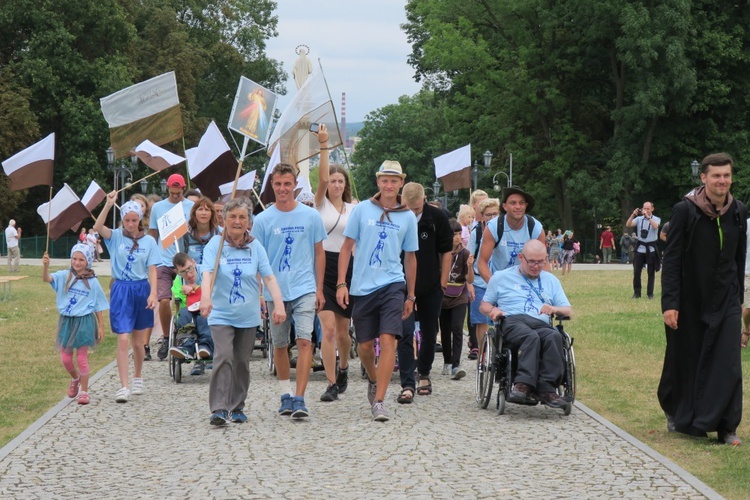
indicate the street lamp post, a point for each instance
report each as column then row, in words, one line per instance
column 163, row 185
column 694, row 167
column 487, row 158
column 122, row 171
column 495, row 185
column 436, row 188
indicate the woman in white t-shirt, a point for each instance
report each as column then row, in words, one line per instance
column 333, row 202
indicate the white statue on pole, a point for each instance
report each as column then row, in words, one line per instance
column 302, row 66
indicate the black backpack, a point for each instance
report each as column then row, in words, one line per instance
column 530, row 223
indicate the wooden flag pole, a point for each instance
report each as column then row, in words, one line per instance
column 130, row 184
column 49, row 216
column 258, row 198
column 234, row 191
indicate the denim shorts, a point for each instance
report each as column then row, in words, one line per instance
column 475, row 316
column 302, row 311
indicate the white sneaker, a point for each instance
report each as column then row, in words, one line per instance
column 458, row 373
column 122, row 395
column 447, row 369
column 137, row 386
column 204, row 353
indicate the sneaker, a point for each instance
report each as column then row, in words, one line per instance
column 552, row 399
column 473, row 353
column 379, row 413
column 199, row 368
column 458, row 373
column 73, row 387
column 83, row 398
column 163, row 349
column 122, row 395
column 728, row 437
column 238, row 417
column 519, row 392
column 286, row 405
column 438, row 347
column 331, row 394
column 372, row 388
column 204, row 353
column 636, row 295
column 219, row 417
column 650, row 297
column 342, row 379
column 177, row 352
column 137, row 386
column 447, row 369
column 147, row 356
column 298, row 407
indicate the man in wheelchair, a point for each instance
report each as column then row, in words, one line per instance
column 526, row 296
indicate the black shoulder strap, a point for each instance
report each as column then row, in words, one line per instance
column 477, row 239
column 530, row 223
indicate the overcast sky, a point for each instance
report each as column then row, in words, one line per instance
column 360, row 45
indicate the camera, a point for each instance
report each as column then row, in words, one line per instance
column 639, row 211
column 314, row 127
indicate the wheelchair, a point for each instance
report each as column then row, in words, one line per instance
column 176, row 336
column 496, row 365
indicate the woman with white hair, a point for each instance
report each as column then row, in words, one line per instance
column 133, row 256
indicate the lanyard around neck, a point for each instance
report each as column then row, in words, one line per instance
column 538, row 292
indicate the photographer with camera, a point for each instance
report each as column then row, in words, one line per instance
column 646, row 250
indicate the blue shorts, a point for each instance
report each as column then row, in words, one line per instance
column 476, row 317
column 302, row 311
column 127, row 306
column 379, row 312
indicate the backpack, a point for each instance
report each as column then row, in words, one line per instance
column 530, row 223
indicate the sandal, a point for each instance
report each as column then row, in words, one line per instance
column 744, row 338
column 406, row 396
column 424, row 389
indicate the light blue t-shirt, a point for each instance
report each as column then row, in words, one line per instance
column 516, row 294
column 236, row 296
column 478, row 281
column 128, row 266
column 79, row 300
column 194, row 248
column 158, row 210
column 289, row 239
column 377, row 256
column 505, row 254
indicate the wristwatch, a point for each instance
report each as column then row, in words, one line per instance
column 412, row 298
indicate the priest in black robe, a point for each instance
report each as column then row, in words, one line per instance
column 702, row 292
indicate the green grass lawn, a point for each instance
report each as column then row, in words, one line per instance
column 619, row 345
column 33, row 377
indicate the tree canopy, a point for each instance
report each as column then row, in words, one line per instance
column 603, row 104
column 59, row 57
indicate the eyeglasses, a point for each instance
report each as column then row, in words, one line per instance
column 534, row 263
column 491, row 215
column 184, row 272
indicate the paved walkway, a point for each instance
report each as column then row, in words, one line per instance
column 160, row 445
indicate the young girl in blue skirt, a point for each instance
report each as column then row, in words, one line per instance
column 80, row 301
column 133, row 255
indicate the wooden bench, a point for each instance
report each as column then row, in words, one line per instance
column 7, row 284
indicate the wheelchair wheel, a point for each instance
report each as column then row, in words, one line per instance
column 570, row 370
column 500, row 401
column 271, row 365
column 486, row 367
column 353, row 351
column 177, row 370
column 266, row 338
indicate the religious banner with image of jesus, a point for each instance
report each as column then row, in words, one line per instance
column 252, row 111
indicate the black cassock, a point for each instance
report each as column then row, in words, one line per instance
column 701, row 382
